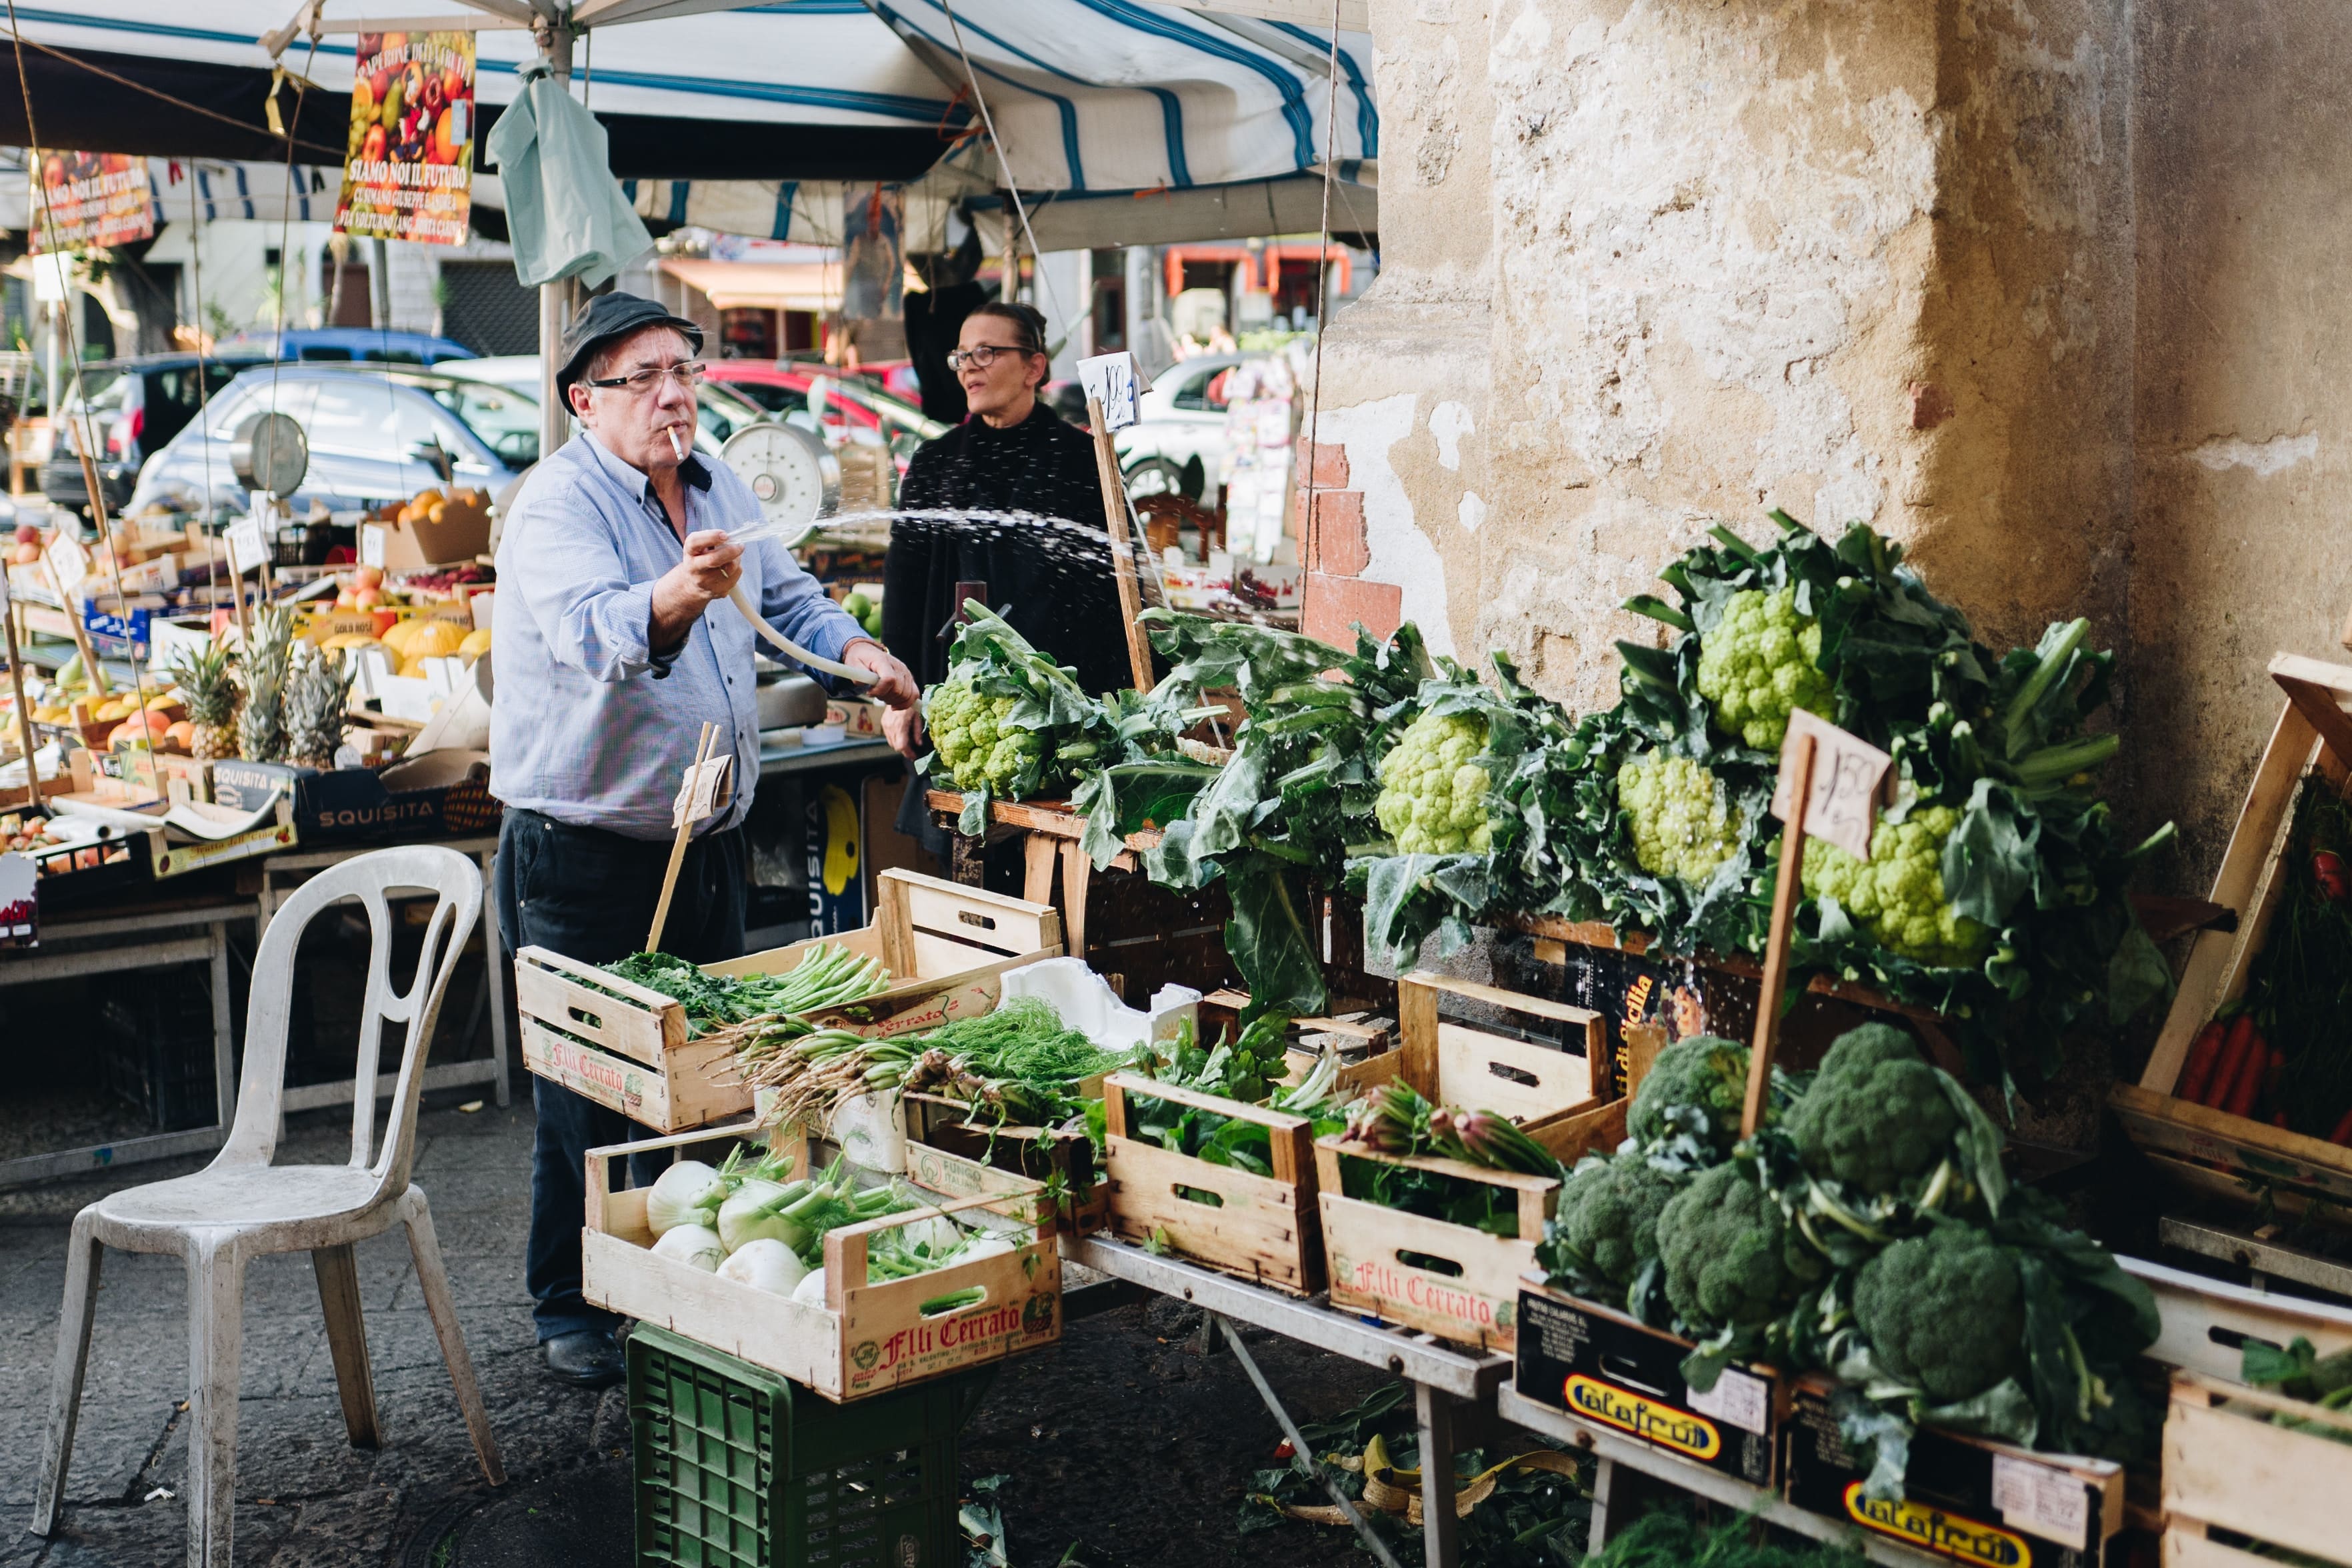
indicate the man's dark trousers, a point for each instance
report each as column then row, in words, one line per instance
column 590, row 895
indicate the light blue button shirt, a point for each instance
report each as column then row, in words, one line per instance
column 583, row 728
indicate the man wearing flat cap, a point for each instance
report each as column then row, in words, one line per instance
column 608, row 666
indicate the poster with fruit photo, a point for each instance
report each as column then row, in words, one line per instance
column 409, row 168
column 90, row 200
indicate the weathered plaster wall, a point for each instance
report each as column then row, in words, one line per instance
column 2244, row 426
column 1650, row 263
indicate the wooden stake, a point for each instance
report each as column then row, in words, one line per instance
column 24, row 708
column 677, row 845
column 81, row 634
column 1785, row 893
column 1123, row 547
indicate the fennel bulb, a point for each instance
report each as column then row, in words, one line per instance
column 676, row 1198
column 695, row 1244
column 765, row 1264
column 810, row 1291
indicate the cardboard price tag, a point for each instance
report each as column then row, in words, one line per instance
column 68, row 562
column 1851, row 780
column 705, row 792
column 246, row 548
column 1113, row 381
column 372, row 544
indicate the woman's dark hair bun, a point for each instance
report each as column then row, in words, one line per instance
column 1027, row 317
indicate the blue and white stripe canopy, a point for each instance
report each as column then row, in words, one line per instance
column 1088, row 96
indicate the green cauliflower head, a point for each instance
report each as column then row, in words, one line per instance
column 1607, row 1222
column 1944, row 1312
column 1729, row 1256
column 1898, row 895
column 1760, row 663
column 966, row 733
column 1433, row 797
column 1876, row 1114
column 1697, row 1085
column 1683, row 826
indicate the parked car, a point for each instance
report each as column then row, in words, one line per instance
column 1179, row 421
column 376, row 433
column 131, row 407
column 364, row 345
column 720, row 411
column 853, row 409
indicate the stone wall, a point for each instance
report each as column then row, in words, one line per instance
column 1652, row 263
column 2243, row 429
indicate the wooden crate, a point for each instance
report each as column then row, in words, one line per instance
column 2209, row 1150
column 1453, row 1280
column 867, row 1336
column 625, row 1047
column 1040, row 1153
column 2227, row 1467
column 2206, row 1322
column 1263, row 1228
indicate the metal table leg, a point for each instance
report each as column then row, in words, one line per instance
column 1604, row 1482
column 494, row 966
column 1302, row 1457
column 223, row 1030
column 1436, row 1407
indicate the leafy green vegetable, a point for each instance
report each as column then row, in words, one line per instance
column 829, row 975
column 1009, row 722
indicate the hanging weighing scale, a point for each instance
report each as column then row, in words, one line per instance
column 796, row 479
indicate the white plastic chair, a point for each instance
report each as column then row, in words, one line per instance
column 241, row 1206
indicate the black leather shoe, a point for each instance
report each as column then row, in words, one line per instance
column 587, row 1357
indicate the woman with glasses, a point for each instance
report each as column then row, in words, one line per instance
column 1011, row 454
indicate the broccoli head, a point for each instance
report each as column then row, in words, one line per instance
column 1898, row 895
column 1697, row 1085
column 1682, row 825
column 1876, row 1114
column 1433, row 797
column 1944, row 1312
column 1729, row 1256
column 1607, row 1222
column 1760, row 663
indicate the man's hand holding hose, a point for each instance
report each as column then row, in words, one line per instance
column 712, row 569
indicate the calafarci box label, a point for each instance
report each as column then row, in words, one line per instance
column 1645, row 1418
column 1934, row 1530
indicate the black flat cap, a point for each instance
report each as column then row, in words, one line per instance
column 606, row 318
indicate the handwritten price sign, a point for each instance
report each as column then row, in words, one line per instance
column 1852, row 779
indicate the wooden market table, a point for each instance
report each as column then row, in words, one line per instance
column 161, row 935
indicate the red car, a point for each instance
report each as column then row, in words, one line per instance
column 851, row 405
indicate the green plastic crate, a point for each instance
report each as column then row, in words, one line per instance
column 737, row 1466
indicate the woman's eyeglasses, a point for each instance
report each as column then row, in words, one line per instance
column 638, row 383
column 982, row 355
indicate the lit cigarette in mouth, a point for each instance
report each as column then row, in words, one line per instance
column 676, row 450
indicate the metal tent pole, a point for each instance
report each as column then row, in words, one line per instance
column 554, row 39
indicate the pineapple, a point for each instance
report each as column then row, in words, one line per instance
column 316, row 694
column 261, row 726
column 204, row 681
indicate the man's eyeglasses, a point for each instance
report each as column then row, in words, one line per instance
column 638, row 383
column 982, row 355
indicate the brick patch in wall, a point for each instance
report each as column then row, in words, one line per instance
column 1334, row 604
column 1330, row 472
column 1335, row 539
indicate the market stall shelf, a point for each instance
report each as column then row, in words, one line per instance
column 626, row 1046
column 2216, row 1149
column 867, row 1336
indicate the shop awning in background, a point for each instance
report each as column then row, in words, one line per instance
column 763, row 285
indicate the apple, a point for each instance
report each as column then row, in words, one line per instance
column 385, row 619
column 347, row 600
column 367, row 599
column 28, row 534
column 367, row 577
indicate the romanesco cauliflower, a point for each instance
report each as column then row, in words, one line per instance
column 1684, row 827
column 966, row 732
column 1761, row 662
column 1433, row 795
column 1897, row 895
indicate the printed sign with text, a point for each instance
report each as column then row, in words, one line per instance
column 90, row 200
column 408, row 167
